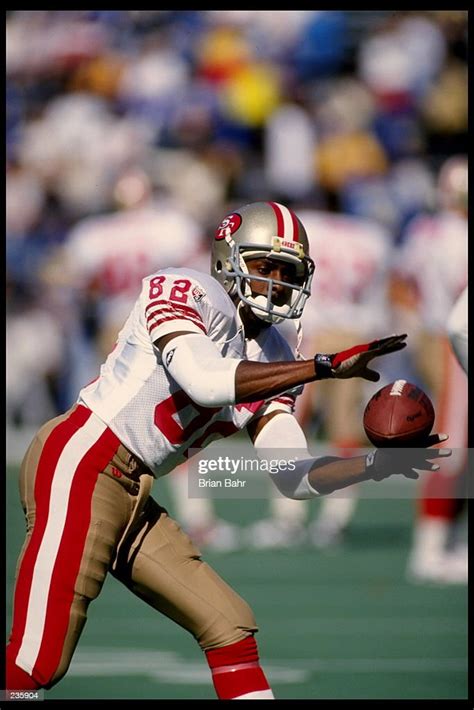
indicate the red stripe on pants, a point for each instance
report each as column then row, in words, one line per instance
column 52, row 450
column 71, row 548
column 17, row 678
column 72, row 543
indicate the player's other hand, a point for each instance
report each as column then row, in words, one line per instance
column 381, row 463
column 353, row 362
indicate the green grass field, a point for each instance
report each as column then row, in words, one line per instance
column 343, row 624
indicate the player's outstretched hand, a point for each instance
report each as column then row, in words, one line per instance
column 381, row 463
column 353, row 362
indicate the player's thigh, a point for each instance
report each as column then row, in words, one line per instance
column 165, row 569
column 341, row 400
column 106, row 504
column 343, row 411
column 430, row 359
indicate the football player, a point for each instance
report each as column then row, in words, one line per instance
column 197, row 358
column 432, row 273
column 458, row 329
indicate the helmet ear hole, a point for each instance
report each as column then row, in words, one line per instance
column 218, row 266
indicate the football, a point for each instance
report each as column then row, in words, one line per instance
column 399, row 414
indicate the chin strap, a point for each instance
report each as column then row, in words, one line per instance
column 275, row 316
column 299, row 338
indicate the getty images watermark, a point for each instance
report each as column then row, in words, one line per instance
column 229, row 472
column 234, row 470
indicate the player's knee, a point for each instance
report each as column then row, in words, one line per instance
column 227, row 628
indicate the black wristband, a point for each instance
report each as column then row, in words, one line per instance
column 323, row 366
column 382, row 463
column 372, row 468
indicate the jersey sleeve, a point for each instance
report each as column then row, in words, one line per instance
column 172, row 303
column 279, row 350
column 282, row 403
column 282, row 351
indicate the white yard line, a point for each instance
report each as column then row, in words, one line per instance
column 171, row 667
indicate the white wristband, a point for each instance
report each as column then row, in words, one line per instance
column 284, row 432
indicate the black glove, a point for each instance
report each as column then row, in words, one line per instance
column 353, row 362
column 381, row 463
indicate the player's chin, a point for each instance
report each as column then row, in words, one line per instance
column 280, row 300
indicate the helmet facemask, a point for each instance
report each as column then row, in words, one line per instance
column 262, row 305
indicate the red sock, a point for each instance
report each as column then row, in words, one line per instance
column 438, row 496
column 17, row 678
column 236, row 669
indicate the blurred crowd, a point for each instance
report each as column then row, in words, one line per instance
column 129, row 134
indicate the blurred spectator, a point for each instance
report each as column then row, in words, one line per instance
column 407, row 189
column 42, row 42
column 150, row 80
column 77, row 147
column 322, row 45
column 100, row 75
column 31, row 372
column 197, row 181
column 401, row 58
column 221, row 52
column 348, row 150
column 444, row 109
column 272, row 35
column 290, row 144
column 25, row 200
column 252, row 94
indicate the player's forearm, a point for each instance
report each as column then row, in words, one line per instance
column 278, row 435
column 258, row 380
column 326, row 477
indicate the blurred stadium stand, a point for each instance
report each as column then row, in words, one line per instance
column 192, row 99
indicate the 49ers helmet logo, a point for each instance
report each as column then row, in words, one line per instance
column 228, row 226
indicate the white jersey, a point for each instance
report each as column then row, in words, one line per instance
column 349, row 290
column 112, row 253
column 137, row 397
column 433, row 258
